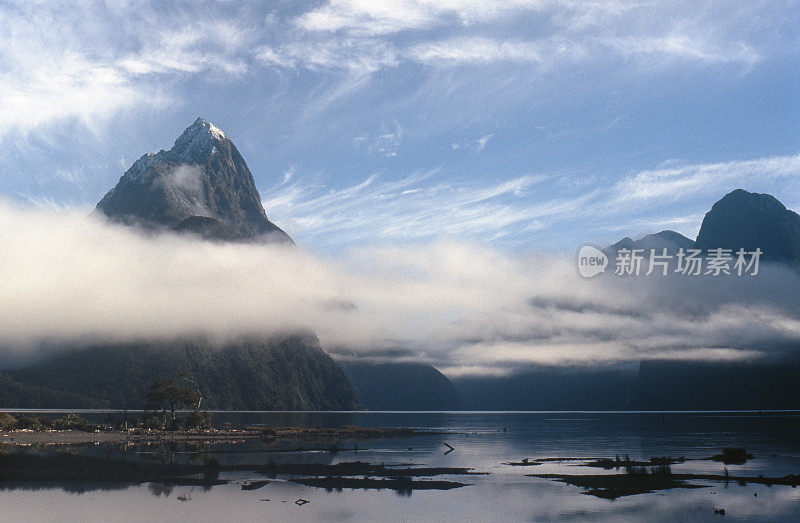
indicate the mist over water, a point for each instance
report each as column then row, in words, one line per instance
column 70, row 277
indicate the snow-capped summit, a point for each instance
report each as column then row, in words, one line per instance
column 202, row 185
column 198, row 141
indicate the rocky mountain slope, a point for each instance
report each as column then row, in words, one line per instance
column 201, row 185
column 286, row 373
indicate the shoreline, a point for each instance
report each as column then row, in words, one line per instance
column 29, row 437
column 14, row 410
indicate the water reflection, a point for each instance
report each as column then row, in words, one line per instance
column 160, row 489
column 414, row 478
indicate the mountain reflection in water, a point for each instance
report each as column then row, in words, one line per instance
column 512, row 466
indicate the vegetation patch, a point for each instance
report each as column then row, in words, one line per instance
column 635, row 480
column 401, row 485
column 360, row 468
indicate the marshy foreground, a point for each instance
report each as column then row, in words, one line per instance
column 411, row 465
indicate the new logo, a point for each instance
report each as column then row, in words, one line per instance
column 591, row 261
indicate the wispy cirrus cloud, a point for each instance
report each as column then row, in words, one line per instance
column 565, row 32
column 681, row 45
column 483, row 140
column 419, row 207
column 385, row 17
column 512, row 211
column 194, row 48
column 348, row 54
column 478, row 50
column 88, row 61
column 675, row 182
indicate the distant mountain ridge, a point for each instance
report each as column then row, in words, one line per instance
column 201, row 185
column 670, row 240
column 739, row 220
column 767, row 383
column 401, row 386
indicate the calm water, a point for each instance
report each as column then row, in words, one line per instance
column 482, row 441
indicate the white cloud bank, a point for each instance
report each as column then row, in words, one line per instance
column 465, row 308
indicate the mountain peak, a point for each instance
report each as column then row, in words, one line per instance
column 203, row 127
column 762, row 201
column 199, row 141
column 742, row 219
column 670, row 240
column 201, row 185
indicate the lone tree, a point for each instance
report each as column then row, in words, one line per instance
column 166, row 395
column 193, row 397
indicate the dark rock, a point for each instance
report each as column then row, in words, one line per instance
column 733, row 456
column 208, row 229
column 254, row 485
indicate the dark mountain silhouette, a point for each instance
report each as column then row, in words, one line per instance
column 769, row 382
column 748, row 220
column 18, row 394
column 201, row 185
column 550, row 388
column 401, row 386
column 766, row 383
column 289, row 372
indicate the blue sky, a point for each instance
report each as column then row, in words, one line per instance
column 523, row 124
